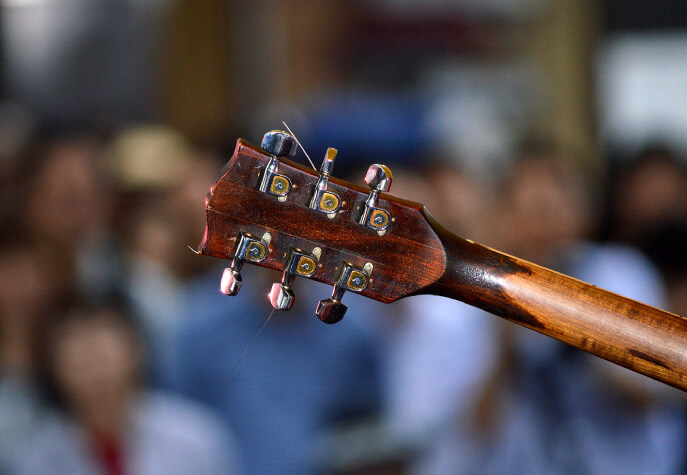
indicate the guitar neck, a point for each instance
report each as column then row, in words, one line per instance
column 632, row 334
column 264, row 210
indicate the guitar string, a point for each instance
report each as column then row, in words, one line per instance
column 264, row 325
column 300, row 145
column 250, row 343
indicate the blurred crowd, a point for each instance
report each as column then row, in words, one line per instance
column 118, row 353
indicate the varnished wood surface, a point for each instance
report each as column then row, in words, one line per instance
column 632, row 334
column 407, row 258
column 417, row 255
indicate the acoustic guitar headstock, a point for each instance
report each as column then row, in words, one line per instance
column 270, row 211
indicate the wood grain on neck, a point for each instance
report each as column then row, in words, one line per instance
column 632, row 334
column 416, row 255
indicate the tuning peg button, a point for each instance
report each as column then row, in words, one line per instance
column 281, row 296
column 278, row 144
column 332, row 310
column 231, row 282
column 323, row 200
column 378, row 178
column 248, row 248
column 300, row 264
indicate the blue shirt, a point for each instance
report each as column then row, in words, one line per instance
column 299, row 375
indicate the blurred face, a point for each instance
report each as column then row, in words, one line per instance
column 189, row 196
column 652, row 194
column 162, row 227
column 462, row 204
column 154, row 235
column 95, row 363
column 541, row 212
column 68, row 199
column 27, row 286
column 22, row 284
column 189, row 203
column 413, row 187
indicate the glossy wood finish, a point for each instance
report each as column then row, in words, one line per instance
column 416, row 255
column 406, row 259
column 640, row 337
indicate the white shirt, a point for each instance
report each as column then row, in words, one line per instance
column 167, row 435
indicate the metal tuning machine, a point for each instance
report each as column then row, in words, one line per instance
column 299, row 264
column 279, row 144
column 248, row 248
column 351, row 278
column 322, row 200
column 378, row 178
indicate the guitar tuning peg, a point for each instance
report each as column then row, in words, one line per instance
column 332, row 310
column 378, row 178
column 248, row 248
column 299, row 263
column 322, row 200
column 279, row 144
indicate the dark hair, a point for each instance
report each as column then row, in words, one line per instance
column 114, row 313
column 666, row 248
column 655, row 153
column 621, row 170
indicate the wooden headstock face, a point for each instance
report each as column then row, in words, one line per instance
column 402, row 261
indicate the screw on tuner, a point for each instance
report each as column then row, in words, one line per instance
column 378, row 178
column 299, row 263
column 248, row 248
column 279, row 144
column 323, row 200
column 351, row 278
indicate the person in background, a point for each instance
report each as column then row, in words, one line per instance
column 564, row 411
column 438, row 354
column 163, row 182
column 68, row 211
column 155, row 285
column 29, row 293
column 108, row 422
column 649, row 193
column 461, row 200
column 666, row 247
column 299, row 379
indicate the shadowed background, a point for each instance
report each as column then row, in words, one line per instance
column 553, row 130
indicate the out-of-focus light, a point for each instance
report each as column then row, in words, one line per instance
column 641, row 90
column 23, row 3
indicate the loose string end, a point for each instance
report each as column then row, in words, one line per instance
column 300, row 145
